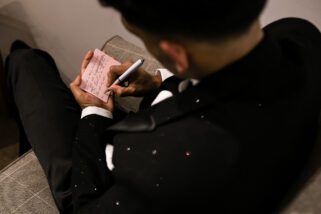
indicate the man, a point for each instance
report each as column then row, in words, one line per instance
column 235, row 141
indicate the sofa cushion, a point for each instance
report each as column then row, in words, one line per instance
column 24, row 187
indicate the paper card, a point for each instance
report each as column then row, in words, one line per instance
column 94, row 79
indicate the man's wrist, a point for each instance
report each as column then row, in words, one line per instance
column 96, row 110
column 157, row 79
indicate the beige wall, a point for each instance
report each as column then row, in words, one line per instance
column 308, row 9
column 68, row 28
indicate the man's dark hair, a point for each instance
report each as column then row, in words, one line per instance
column 194, row 19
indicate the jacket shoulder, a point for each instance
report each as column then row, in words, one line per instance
column 295, row 28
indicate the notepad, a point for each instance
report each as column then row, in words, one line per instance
column 94, row 79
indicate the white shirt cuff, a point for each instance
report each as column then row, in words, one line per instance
column 165, row 73
column 96, row 110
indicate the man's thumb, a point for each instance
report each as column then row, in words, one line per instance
column 76, row 82
column 117, row 90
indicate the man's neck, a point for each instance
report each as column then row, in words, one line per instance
column 208, row 58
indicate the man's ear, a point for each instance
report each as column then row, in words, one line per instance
column 177, row 53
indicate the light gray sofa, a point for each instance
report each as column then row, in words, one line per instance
column 24, row 188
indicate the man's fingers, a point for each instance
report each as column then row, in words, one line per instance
column 117, row 70
column 86, row 60
column 122, row 91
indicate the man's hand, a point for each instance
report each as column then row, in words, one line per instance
column 85, row 99
column 140, row 83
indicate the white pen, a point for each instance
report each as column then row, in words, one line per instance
column 130, row 70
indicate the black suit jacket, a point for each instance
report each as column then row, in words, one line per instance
column 235, row 143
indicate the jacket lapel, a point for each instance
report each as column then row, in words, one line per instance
column 170, row 109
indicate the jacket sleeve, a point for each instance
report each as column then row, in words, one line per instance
column 94, row 187
column 90, row 175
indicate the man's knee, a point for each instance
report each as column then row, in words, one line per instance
column 22, row 55
column 18, row 60
column 28, row 61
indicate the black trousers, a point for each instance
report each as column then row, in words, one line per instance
column 48, row 117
